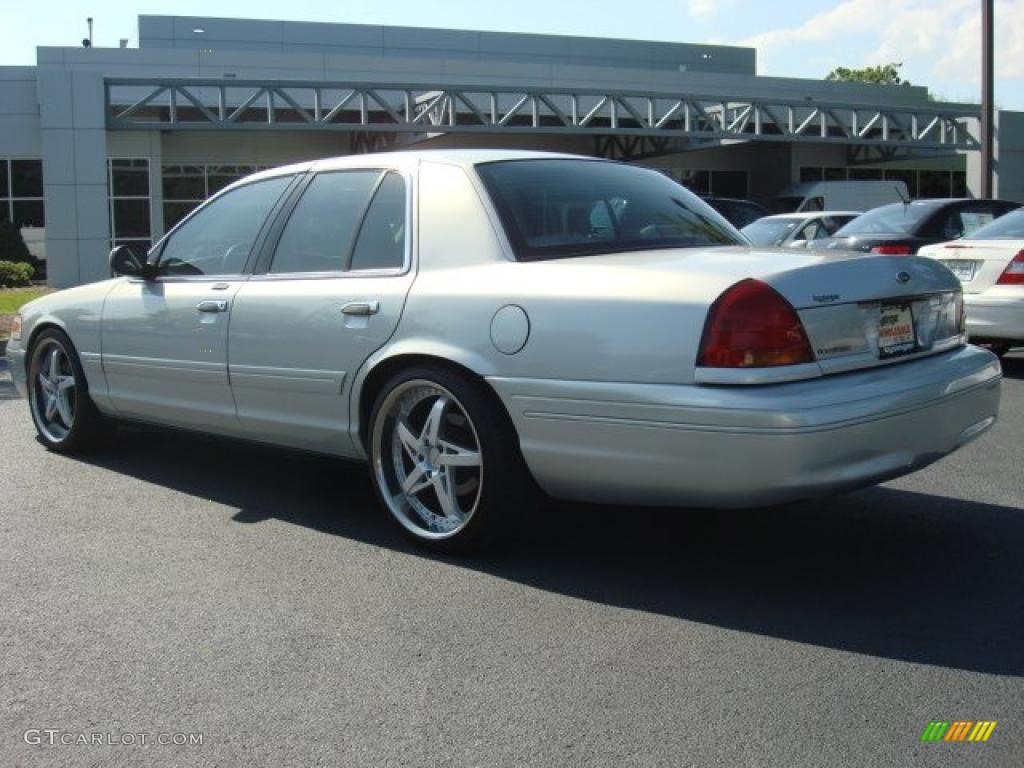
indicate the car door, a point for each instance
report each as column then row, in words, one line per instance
column 164, row 340
column 329, row 295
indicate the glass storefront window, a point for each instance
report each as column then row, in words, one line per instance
column 21, row 201
column 934, row 184
column 26, row 178
column 865, row 174
column 130, row 220
column 186, row 186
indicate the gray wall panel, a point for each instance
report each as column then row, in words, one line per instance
column 93, row 259
column 92, row 211
column 61, row 261
column 20, row 136
column 333, row 35
column 61, row 212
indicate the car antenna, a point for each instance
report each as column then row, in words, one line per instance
column 906, row 200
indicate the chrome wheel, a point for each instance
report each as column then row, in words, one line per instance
column 427, row 459
column 54, row 391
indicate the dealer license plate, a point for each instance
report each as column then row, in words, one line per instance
column 896, row 330
column 962, row 268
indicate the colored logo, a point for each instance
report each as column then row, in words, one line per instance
column 958, row 730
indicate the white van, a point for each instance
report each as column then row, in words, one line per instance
column 841, row 195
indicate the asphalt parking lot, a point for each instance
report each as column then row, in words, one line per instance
column 176, row 584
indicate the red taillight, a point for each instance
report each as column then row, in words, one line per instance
column 891, row 250
column 1014, row 272
column 752, row 326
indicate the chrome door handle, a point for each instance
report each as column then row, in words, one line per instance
column 361, row 308
column 213, row 305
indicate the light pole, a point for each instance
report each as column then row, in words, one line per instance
column 987, row 93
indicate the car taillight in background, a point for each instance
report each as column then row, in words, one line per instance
column 1014, row 272
column 891, row 250
column 752, row 326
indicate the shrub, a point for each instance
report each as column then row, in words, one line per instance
column 15, row 273
column 12, row 244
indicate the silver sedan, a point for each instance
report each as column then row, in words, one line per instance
column 474, row 323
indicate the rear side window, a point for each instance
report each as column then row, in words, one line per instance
column 217, row 238
column 895, row 218
column 1008, row 227
column 319, row 233
column 561, row 208
column 381, row 243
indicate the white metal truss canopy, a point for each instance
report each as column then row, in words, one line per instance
column 206, row 104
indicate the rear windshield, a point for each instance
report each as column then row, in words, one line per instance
column 889, row 219
column 558, row 208
column 767, row 232
column 1007, row 227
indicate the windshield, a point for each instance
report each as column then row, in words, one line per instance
column 767, row 232
column 889, row 219
column 558, row 208
column 1007, row 227
column 739, row 213
column 786, row 204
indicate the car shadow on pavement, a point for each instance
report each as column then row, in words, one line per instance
column 885, row 572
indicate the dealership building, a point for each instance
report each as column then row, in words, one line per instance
column 103, row 146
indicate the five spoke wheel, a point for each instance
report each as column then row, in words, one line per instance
column 54, row 391
column 65, row 417
column 427, row 459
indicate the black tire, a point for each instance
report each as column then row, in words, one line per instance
column 89, row 429
column 504, row 490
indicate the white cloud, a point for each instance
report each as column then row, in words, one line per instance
column 846, row 18
column 938, row 43
column 705, row 9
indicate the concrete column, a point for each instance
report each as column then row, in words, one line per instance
column 74, row 153
column 1009, row 158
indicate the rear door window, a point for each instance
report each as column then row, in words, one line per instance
column 321, row 230
column 381, row 240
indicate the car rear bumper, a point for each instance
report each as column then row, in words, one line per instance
column 995, row 314
column 744, row 446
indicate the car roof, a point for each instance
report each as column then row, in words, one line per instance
column 408, row 159
column 812, row 214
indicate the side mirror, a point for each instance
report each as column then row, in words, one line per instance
column 796, row 244
column 123, row 261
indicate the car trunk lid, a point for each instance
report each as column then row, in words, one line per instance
column 977, row 264
column 858, row 310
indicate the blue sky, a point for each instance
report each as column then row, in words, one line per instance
column 937, row 40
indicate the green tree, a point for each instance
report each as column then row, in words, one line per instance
column 12, row 245
column 883, row 74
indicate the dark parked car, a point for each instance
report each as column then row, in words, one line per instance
column 900, row 229
column 737, row 212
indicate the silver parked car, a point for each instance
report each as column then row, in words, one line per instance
column 468, row 320
column 796, row 230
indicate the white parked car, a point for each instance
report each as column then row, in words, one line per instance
column 796, row 230
column 467, row 320
column 990, row 265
